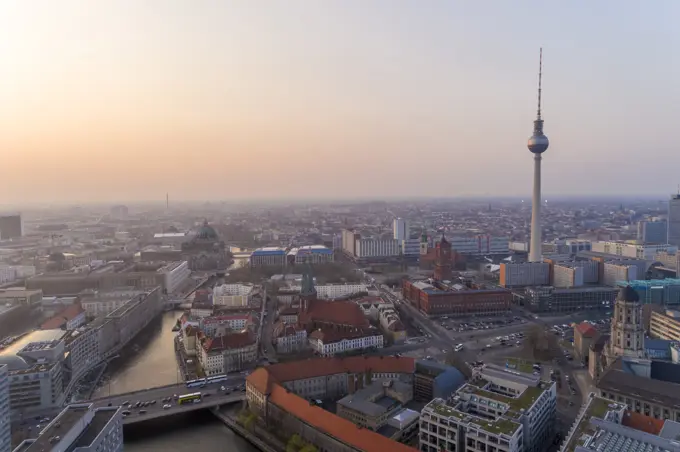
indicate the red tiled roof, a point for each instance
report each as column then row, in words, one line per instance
column 335, row 426
column 643, row 423
column 586, row 329
column 59, row 320
column 328, row 336
column 336, row 312
column 317, row 367
column 228, row 341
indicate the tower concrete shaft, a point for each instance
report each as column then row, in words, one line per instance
column 536, row 245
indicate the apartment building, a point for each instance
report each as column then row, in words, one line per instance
column 498, row 411
column 227, row 353
column 233, row 295
column 97, row 303
column 632, row 249
column 82, row 428
column 480, row 245
column 524, row 274
column 175, row 276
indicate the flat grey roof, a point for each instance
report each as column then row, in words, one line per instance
column 58, row 427
column 660, row 391
column 101, row 417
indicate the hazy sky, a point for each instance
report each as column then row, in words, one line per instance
column 117, row 100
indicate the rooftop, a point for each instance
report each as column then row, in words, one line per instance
column 64, row 316
column 498, row 426
column 596, row 407
column 99, row 421
column 61, row 425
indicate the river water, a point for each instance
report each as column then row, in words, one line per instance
column 149, row 361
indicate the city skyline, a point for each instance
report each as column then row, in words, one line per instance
column 129, row 101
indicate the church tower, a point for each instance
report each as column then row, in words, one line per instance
column 308, row 290
column 442, row 268
column 627, row 333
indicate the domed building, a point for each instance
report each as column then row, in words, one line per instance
column 204, row 250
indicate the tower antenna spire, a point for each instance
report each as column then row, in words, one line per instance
column 540, row 78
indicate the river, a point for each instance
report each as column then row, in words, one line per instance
column 154, row 364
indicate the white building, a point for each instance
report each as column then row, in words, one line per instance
column 227, row 353
column 367, row 248
column 83, row 350
column 632, row 249
column 5, row 434
column 211, row 325
column 329, row 343
column 400, row 229
column 291, row 339
column 7, row 274
column 82, row 428
column 333, row 291
column 349, row 238
column 175, row 275
column 103, row 302
column 233, row 295
column 480, row 245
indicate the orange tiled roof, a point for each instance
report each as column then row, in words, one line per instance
column 643, row 423
column 335, row 426
column 59, row 320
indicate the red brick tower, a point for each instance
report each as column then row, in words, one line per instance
column 442, row 266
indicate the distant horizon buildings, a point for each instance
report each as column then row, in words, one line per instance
column 11, row 227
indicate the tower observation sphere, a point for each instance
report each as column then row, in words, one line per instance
column 538, row 143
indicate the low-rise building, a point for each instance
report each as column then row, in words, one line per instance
column 372, row 407
column 313, row 254
column 330, row 342
column 552, row 299
column 584, row 336
column 222, row 324
column 82, row 428
column 69, row 318
column 268, row 257
column 289, row 338
column 634, row 249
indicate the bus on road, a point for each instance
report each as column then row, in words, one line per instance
column 189, row 398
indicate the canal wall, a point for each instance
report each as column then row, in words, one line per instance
column 250, row 436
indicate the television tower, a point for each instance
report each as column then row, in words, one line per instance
column 538, row 144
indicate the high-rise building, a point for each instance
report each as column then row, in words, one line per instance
column 400, row 229
column 538, row 144
column 11, row 227
column 652, row 231
column 674, row 220
column 5, row 436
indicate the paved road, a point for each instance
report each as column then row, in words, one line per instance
column 148, row 395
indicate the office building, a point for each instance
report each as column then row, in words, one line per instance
column 665, row 325
column 11, row 227
column 5, row 427
column 410, row 248
column 82, row 428
column 400, row 229
column 435, row 380
column 652, row 231
column 366, row 248
column 635, row 250
column 619, row 271
column 349, row 238
column 524, row 274
column 663, row 292
column 552, row 299
column 456, row 299
column 313, row 254
column 567, row 274
column 227, row 353
column 480, row 245
column 268, row 257
column 175, row 276
column 506, row 410
column 674, row 220
column 331, row 342
column 99, row 303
